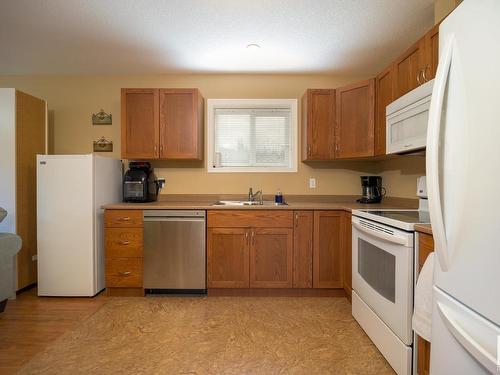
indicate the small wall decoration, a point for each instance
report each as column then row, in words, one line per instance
column 102, row 118
column 103, row 145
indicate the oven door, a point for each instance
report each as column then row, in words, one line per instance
column 382, row 273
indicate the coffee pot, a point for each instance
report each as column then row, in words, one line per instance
column 372, row 190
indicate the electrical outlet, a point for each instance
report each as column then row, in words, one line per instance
column 34, row 258
column 312, row 183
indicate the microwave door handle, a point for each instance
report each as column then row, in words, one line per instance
column 432, row 152
column 380, row 235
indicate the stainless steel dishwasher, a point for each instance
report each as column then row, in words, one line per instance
column 174, row 251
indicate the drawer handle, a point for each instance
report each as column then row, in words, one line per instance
column 124, row 242
column 125, row 218
column 126, row 273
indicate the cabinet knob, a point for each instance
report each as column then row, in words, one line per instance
column 125, row 218
column 309, row 150
column 124, row 242
column 126, row 273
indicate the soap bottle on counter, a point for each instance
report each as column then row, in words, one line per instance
column 278, row 198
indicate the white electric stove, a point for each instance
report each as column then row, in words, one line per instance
column 384, row 271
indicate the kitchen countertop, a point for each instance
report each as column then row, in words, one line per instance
column 295, row 202
column 424, row 228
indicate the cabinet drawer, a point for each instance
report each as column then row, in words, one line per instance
column 255, row 219
column 124, row 242
column 124, row 272
column 123, row 218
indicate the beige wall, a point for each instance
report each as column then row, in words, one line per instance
column 73, row 99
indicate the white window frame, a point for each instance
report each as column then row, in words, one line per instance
column 213, row 104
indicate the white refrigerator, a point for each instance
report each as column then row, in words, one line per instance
column 463, row 178
column 70, row 192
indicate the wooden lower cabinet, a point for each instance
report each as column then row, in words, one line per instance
column 123, row 249
column 271, row 252
column 423, row 356
column 327, row 249
column 228, row 258
column 425, row 247
column 347, row 246
column 303, row 249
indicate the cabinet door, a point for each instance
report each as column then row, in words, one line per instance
column 347, row 254
column 318, row 119
column 383, row 96
column 227, row 258
column 140, row 123
column 424, row 356
column 303, row 249
column 408, row 69
column 181, row 129
column 271, row 258
column 354, row 127
column 432, row 53
column 425, row 247
column 327, row 253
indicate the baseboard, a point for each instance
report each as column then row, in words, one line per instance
column 125, row 292
column 275, row 292
column 26, row 288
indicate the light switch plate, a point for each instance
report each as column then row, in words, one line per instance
column 312, row 183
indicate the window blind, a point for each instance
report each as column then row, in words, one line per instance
column 252, row 137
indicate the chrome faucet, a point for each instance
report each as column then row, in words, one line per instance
column 252, row 195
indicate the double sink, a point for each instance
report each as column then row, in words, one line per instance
column 244, row 203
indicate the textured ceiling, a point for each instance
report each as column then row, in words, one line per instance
column 166, row 36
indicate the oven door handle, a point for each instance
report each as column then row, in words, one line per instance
column 381, row 235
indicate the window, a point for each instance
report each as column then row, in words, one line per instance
column 254, row 135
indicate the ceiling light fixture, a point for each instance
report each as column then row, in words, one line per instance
column 253, row 46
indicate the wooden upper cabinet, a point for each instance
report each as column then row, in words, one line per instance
column 318, row 119
column 418, row 64
column 327, row 249
column 181, row 124
column 271, row 254
column 432, row 53
column 228, row 257
column 354, row 126
column 140, row 125
column 384, row 96
column 303, row 249
column 408, row 69
column 162, row 124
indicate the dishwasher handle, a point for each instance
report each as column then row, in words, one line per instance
column 177, row 219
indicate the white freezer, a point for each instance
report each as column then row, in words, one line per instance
column 70, row 192
column 463, row 160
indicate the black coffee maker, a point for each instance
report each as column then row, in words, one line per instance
column 140, row 183
column 372, row 190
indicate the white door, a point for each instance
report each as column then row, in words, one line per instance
column 382, row 273
column 463, row 157
column 64, row 225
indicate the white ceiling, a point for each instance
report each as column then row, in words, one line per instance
column 166, row 36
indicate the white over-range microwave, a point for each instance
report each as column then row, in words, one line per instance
column 406, row 120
